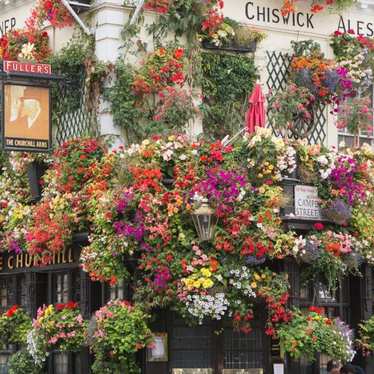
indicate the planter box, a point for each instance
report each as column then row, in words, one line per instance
column 231, row 48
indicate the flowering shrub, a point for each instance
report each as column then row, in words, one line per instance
column 197, row 16
column 56, row 327
column 366, row 336
column 22, row 362
column 356, row 53
column 163, row 68
column 327, row 81
column 14, row 326
column 330, row 256
column 356, row 116
column 316, row 6
column 25, row 44
column 291, row 106
column 159, row 6
column 15, row 211
column 309, row 333
column 120, row 331
column 52, row 11
column 75, row 162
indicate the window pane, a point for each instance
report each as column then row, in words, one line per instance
column 61, row 363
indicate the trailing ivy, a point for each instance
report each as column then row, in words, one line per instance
column 83, row 74
column 123, row 100
column 227, row 80
column 153, row 98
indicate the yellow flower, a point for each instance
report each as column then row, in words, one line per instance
column 197, row 284
column 206, row 272
column 208, row 283
column 257, row 277
column 261, row 190
column 263, row 276
column 253, row 285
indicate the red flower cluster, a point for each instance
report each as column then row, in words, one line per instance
column 11, row 44
column 316, row 7
column 76, row 162
column 11, row 311
column 159, row 6
column 316, row 309
column 214, row 18
column 52, row 11
column 69, row 305
column 162, row 69
column 278, row 312
column 49, row 233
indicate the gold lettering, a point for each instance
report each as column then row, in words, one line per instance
column 28, row 260
column 19, row 261
column 10, row 262
column 36, row 260
column 63, row 257
column 71, row 259
column 1, row 263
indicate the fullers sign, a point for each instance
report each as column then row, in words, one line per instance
column 22, row 67
column 26, row 107
column 307, row 202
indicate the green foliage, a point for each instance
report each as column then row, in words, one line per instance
column 14, row 326
column 22, row 363
column 77, row 63
column 309, row 334
column 125, row 111
column 121, row 330
column 184, row 18
column 366, row 335
column 227, row 80
column 327, row 269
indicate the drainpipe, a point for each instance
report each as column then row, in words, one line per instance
column 76, row 17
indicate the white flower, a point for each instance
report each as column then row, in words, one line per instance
column 27, row 51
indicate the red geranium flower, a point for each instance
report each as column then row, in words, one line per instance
column 10, row 312
column 319, row 226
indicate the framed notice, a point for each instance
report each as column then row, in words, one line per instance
column 26, row 117
column 307, row 203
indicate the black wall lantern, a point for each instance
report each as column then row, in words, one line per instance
column 204, row 220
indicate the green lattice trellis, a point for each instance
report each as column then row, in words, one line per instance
column 278, row 67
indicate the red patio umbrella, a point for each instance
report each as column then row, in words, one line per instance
column 255, row 115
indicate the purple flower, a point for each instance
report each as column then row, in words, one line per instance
column 338, row 211
column 14, row 247
column 162, row 277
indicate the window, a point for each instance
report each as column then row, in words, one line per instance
column 3, row 294
column 62, row 288
column 117, row 291
column 345, row 139
column 61, row 363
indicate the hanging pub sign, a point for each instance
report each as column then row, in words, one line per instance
column 26, row 107
column 307, row 202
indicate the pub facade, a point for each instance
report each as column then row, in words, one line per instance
column 181, row 348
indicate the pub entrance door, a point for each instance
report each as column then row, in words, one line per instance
column 213, row 348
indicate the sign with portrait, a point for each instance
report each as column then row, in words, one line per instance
column 26, row 117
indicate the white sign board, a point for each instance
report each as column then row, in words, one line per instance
column 307, row 202
column 267, row 14
column 14, row 15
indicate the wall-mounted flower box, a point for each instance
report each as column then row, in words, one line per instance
column 250, row 48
